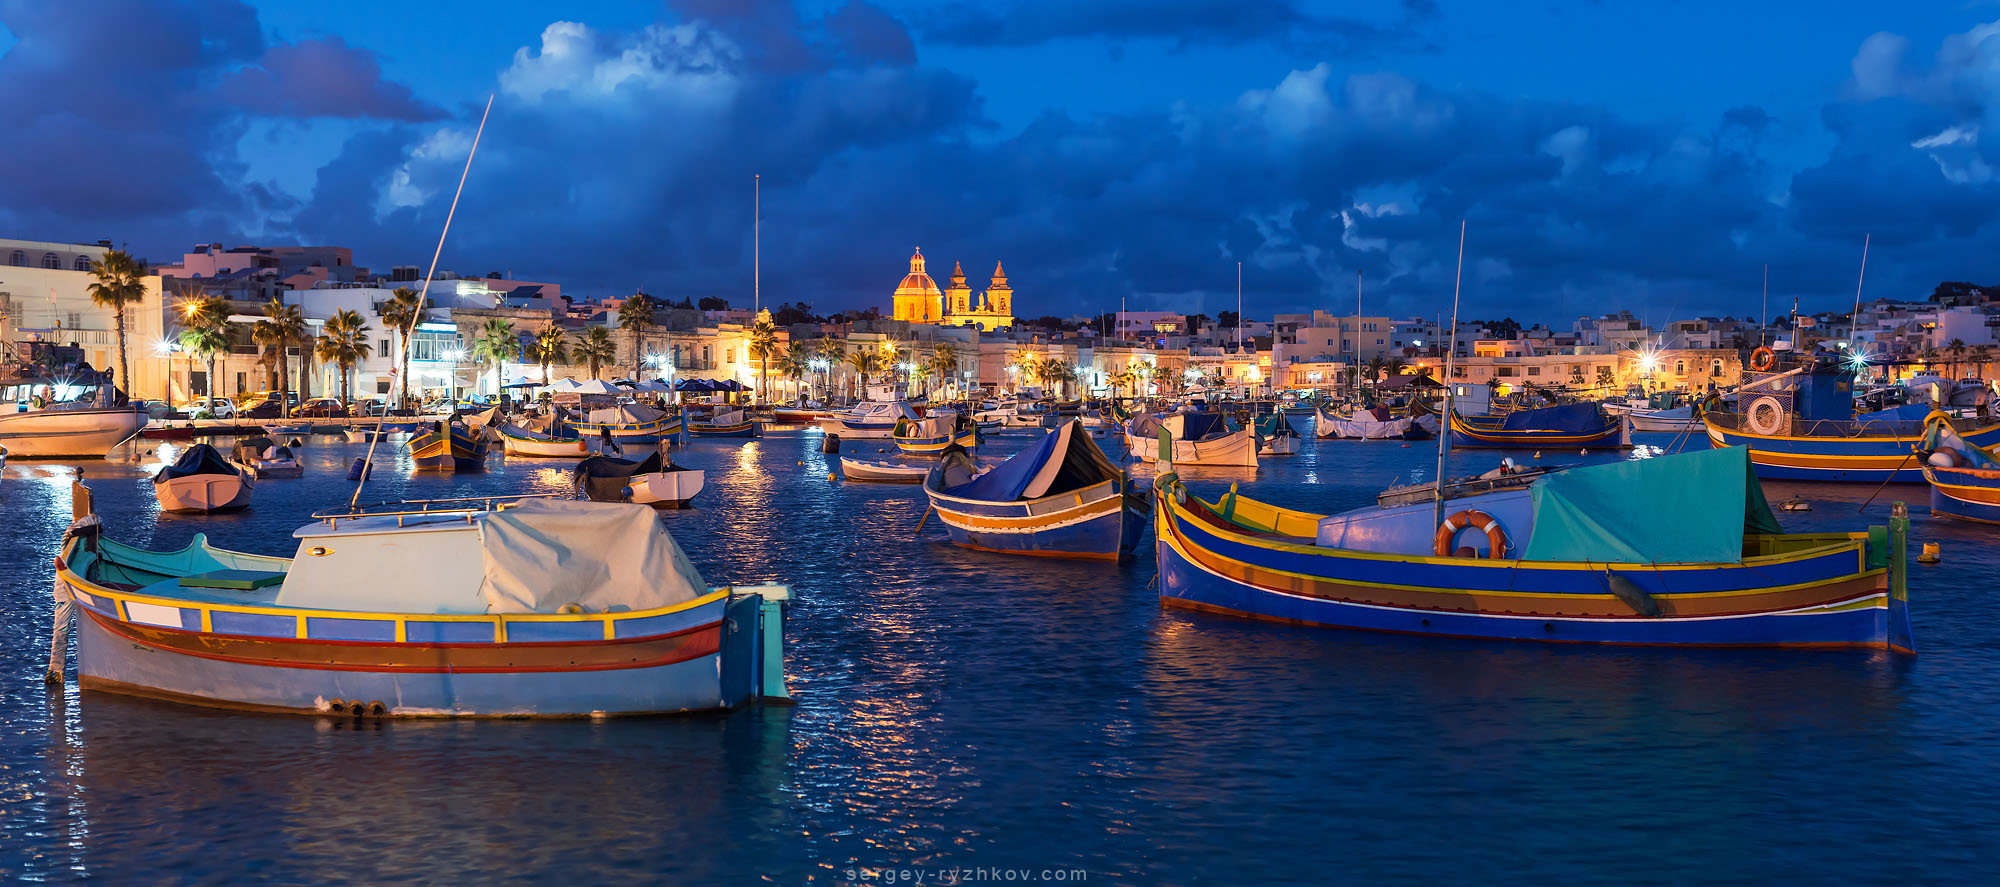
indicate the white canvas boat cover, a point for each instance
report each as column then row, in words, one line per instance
column 545, row 554
column 596, row 386
column 733, row 417
column 625, row 414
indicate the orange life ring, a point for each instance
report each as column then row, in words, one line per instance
column 1496, row 537
column 1763, row 358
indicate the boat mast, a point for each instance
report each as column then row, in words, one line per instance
column 1854, row 320
column 1444, row 432
column 757, row 244
column 416, row 319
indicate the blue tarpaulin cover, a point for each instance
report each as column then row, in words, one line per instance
column 1909, row 412
column 1691, row 507
column 1081, row 464
column 1573, row 418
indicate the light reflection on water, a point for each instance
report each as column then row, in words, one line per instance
column 965, row 708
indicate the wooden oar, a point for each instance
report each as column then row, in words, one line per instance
column 920, row 521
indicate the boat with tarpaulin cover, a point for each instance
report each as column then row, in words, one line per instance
column 1198, row 439
column 1061, row 497
column 869, row 419
column 1799, row 422
column 203, row 480
column 732, row 423
column 628, row 423
column 1566, row 425
column 550, row 437
column 1379, row 422
column 1570, row 556
column 507, row 607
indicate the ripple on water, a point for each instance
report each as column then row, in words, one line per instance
column 959, row 708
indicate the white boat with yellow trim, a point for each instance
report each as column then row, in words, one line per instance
column 508, row 607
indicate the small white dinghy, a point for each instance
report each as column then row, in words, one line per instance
column 201, row 481
column 671, row 487
column 883, row 472
column 277, row 462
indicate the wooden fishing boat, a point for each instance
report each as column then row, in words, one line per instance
column 797, row 415
column 164, row 431
column 1375, row 423
column 1800, row 425
column 735, row 423
column 289, row 430
column 1574, row 556
column 1964, row 478
column 517, row 607
column 1198, row 439
column 933, row 435
column 1060, row 498
column 202, row 480
column 1568, row 425
column 654, row 480
column 882, row 472
column 277, row 461
column 456, row 448
column 1275, row 435
column 629, row 424
column 560, row 442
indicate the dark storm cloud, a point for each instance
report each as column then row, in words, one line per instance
column 321, row 78
column 1183, row 22
column 124, row 116
column 621, row 159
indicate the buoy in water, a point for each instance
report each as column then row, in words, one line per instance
column 1538, row 455
column 1930, row 554
column 830, row 476
column 1583, row 452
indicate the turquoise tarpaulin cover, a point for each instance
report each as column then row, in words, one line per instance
column 1686, row 508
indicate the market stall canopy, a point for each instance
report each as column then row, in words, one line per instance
column 596, row 386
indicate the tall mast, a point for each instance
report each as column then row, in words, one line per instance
column 757, row 244
column 1854, row 320
column 1444, row 433
column 367, row 465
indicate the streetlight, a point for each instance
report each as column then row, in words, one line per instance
column 454, row 355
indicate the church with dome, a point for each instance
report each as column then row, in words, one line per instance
column 918, row 299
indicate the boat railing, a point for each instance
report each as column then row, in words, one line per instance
column 402, row 509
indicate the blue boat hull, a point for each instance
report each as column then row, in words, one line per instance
column 1874, row 459
column 1114, row 534
column 1186, row 583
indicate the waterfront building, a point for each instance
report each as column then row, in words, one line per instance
column 45, row 297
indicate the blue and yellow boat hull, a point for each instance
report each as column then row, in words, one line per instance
column 747, row 428
column 1479, row 433
column 932, row 446
column 1867, row 458
column 1099, row 521
column 459, row 451
column 1833, row 590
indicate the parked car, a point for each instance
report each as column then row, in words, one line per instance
column 213, row 407
column 321, row 408
column 268, row 409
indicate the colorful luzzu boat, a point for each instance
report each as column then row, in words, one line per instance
column 1570, row 556
column 457, row 448
column 1569, row 425
column 1197, row 439
column 629, row 424
column 934, row 435
column 735, row 423
column 1059, row 498
column 1964, row 478
column 539, row 608
column 557, row 441
column 1800, row 425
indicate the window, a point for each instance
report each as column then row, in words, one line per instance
column 83, row 263
column 1680, row 367
column 1534, row 371
column 20, row 258
column 1506, row 372
column 1715, row 367
column 50, row 260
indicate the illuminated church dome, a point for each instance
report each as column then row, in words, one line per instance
column 918, row 298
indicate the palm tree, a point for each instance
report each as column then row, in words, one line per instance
column 1375, row 365
column 1394, row 366
column 120, row 282
column 944, row 360
column 550, row 346
column 834, row 351
column 205, row 332
column 865, row 361
column 400, row 314
column 763, row 346
column 495, row 344
column 1981, row 356
column 634, row 316
column 282, row 325
column 795, row 362
column 1957, row 350
column 344, row 341
column 595, row 349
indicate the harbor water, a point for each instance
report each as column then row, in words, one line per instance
column 960, row 713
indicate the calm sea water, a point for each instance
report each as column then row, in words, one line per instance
column 1022, row 719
